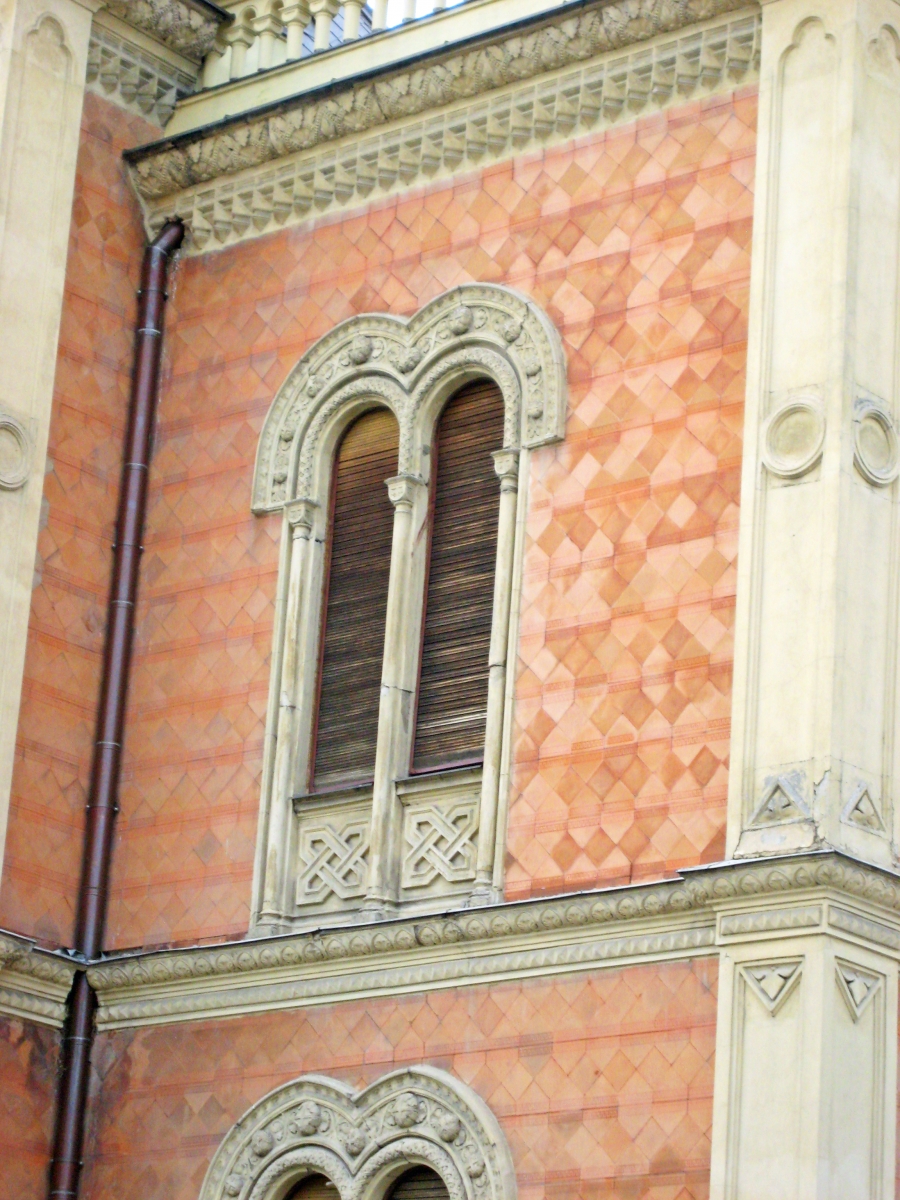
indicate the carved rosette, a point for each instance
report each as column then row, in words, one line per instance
column 474, row 330
column 317, row 1125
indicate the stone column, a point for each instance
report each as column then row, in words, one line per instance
column 43, row 62
column 298, row 659
column 506, row 464
column 806, row 1042
column 409, row 496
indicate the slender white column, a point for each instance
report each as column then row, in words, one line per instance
column 324, row 12
column 43, row 61
column 409, row 496
column 506, row 464
column 298, row 676
column 814, row 751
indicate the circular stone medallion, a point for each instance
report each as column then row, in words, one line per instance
column 794, row 438
column 875, row 446
column 14, row 452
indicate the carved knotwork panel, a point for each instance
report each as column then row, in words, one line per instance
column 360, row 1140
column 477, row 329
column 440, row 829
column 332, row 855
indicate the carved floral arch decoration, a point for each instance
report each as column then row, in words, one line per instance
column 472, row 330
column 362, row 1141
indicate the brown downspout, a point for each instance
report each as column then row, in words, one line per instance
column 102, row 803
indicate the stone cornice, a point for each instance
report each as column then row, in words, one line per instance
column 187, row 26
column 680, row 918
column 130, row 76
column 360, row 105
column 34, row 983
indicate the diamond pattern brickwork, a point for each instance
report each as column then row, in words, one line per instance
column 28, row 1064
column 636, row 243
column 62, row 667
column 602, row 1083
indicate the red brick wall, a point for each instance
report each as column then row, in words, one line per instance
column 62, row 666
column 28, row 1059
column 602, row 1083
column 636, row 244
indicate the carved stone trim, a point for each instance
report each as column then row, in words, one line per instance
column 136, row 80
column 361, row 1140
column 316, row 154
column 474, row 329
column 34, row 983
column 773, row 982
column 186, row 26
column 668, row 920
column 875, row 449
column 14, row 473
column 858, row 987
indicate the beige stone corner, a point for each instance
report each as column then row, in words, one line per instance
column 43, row 62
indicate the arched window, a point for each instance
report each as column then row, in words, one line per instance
column 421, row 1183
column 452, row 694
column 359, row 564
column 389, row 727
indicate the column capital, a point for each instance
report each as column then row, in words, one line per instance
column 301, row 514
column 506, row 465
column 402, row 489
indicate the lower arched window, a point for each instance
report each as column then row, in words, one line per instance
column 314, row 1187
column 421, row 1183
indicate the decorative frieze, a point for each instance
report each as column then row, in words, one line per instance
column 187, row 26
column 133, row 78
column 451, row 116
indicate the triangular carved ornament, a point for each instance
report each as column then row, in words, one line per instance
column 859, row 988
column 772, row 983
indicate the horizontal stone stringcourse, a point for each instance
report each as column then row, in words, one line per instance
column 673, row 919
column 34, row 983
column 312, row 154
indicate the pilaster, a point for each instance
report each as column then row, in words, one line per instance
column 814, row 760
column 43, row 63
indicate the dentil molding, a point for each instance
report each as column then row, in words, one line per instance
column 132, row 77
column 362, row 1140
column 352, row 141
column 690, row 916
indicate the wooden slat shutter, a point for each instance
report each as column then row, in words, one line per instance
column 316, row 1187
column 452, row 693
column 421, row 1183
column 361, row 527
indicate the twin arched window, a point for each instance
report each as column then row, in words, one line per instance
column 388, row 730
column 460, row 534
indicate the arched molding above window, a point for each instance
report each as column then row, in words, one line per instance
column 411, row 366
column 363, row 1141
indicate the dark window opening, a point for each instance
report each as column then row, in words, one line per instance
column 453, row 679
column 358, row 569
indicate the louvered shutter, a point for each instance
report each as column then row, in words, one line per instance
column 453, row 679
column 359, row 548
column 421, row 1183
column 316, row 1187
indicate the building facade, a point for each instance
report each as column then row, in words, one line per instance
column 502, row 799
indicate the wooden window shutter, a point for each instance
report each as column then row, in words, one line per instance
column 421, row 1183
column 453, row 680
column 359, row 550
column 315, row 1187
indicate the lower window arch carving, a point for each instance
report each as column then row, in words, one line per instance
column 416, row 1134
column 386, row 766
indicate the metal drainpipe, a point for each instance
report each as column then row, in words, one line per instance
column 102, row 803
